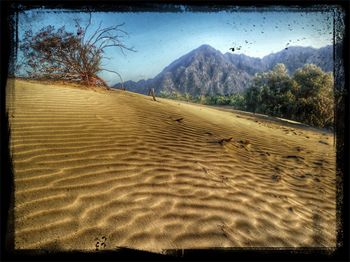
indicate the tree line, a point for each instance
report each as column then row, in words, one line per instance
column 306, row 96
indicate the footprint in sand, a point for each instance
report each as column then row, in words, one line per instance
column 222, row 178
column 323, row 142
column 318, row 162
column 100, row 243
column 221, row 141
column 299, row 149
column 179, row 119
column 295, row 157
column 317, row 180
column 224, row 140
column 226, row 231
column 307, row 175
column 264, row 153
column 244, row 144
column 276, row 178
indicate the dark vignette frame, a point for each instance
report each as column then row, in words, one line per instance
column 9, row 39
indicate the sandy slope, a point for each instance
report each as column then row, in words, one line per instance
column 98, row 170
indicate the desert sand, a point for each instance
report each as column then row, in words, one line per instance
column 96, row 170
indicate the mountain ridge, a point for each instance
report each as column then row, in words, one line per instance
column 207, row 71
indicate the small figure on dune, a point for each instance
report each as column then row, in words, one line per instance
column 151, row 92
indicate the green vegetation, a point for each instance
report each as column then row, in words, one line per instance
column 306, row 96
column 234, row 100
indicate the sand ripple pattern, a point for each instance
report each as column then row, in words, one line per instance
column 99, row 170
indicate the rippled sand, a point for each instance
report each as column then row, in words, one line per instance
column 100, row 170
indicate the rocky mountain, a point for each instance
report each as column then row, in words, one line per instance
column 294, row 57
column 206, row 71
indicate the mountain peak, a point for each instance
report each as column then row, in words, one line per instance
column 207, row 49
column 185, row 60
column 206, row 46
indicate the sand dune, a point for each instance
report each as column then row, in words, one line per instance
column 100, row 170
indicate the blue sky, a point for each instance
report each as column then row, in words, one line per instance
column 160, row 38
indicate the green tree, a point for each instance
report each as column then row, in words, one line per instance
column 315, row 98
column 277, row 92
column 307, row 96
column 187, row 97
column 237, row 101
column 253, row 95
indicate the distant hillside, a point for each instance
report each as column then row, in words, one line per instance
column 206, row 71
column 295, row 57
